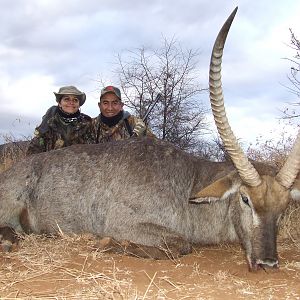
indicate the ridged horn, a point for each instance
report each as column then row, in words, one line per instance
column 245, row 169
column 289, row 171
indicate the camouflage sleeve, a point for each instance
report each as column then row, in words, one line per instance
column 87, row 132
column 85, row 117
column 50, row 113
column 37, row 144
column 91, row 135
column 139, row 128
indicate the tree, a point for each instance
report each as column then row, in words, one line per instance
column 178, row 115
column 270, row 151
column 290, row 113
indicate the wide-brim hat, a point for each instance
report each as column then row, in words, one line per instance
column 70, row 90
column 111, row 89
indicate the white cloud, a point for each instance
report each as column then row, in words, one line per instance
column 248, row 128
column 47, row 44
column 28, row 95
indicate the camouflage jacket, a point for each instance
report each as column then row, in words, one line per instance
column 124, row 129
column 54, row 132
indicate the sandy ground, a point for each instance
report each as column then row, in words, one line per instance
column 74, row 268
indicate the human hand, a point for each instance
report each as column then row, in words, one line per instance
column 139, row 127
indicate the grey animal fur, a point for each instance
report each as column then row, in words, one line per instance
column 136, row 190
column 119, row 189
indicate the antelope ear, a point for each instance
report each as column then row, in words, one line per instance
column 217, row 190
column 295, row 190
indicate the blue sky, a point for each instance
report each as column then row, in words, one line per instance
column 45, row 44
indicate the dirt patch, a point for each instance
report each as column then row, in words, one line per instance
column 73, row 268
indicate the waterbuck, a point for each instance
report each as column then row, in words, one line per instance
column 145, row 194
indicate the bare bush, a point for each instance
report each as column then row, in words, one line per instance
column 12, row 151
column 270, row 151
column 178, row 116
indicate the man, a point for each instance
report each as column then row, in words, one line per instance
column 113, row 123
column 64, row 124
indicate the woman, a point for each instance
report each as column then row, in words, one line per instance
column 64, row 124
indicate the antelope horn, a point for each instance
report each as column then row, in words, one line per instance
column 245, row 169
column 287, row 174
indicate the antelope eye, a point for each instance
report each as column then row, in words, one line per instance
column 245, row 199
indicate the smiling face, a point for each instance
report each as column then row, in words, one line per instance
column 110, row 105
column 69, row 104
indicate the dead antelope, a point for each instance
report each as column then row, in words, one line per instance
column 139, row 192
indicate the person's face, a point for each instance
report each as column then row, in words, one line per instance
column 69, row 104
column 110, row 105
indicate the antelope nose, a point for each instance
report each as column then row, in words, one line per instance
column 267, row 263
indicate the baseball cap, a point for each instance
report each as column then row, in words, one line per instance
column 111, row 89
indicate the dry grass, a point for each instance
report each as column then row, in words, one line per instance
column 290, row 223
column 63, row 265
column 72, row 267
column 11, row 152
